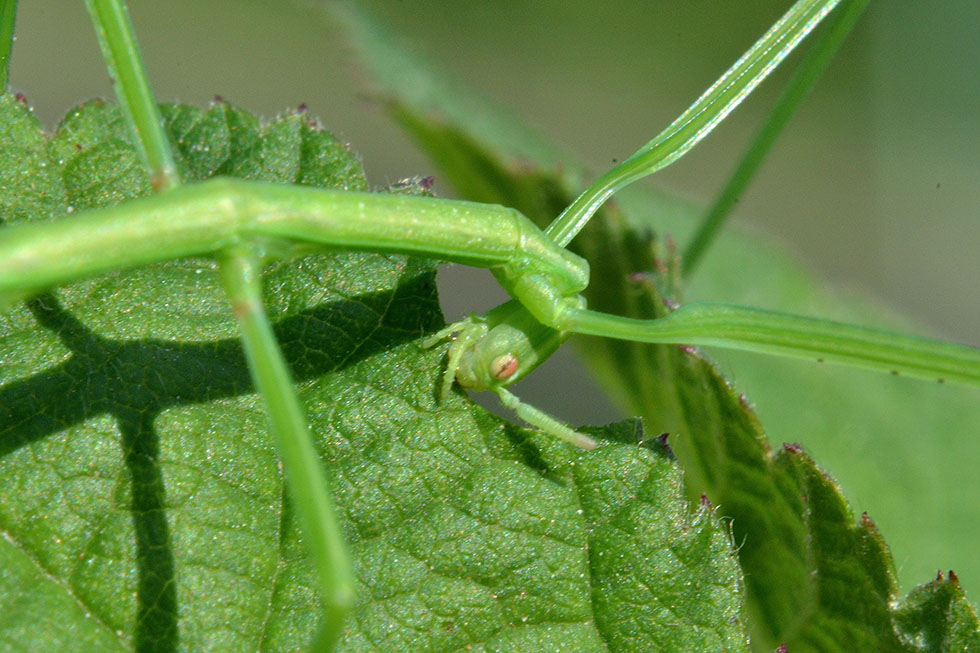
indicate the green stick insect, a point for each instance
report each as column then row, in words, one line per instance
column 244, row 225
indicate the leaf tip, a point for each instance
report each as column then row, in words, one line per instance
column 793, row 448
column 661, row 442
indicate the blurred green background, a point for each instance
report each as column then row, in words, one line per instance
column 876, row 183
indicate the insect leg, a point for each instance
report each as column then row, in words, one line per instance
column 544, row 421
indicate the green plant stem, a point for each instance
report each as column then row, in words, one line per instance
column 771, row 332
column 308, row 493
column 811, row 68
column 699, row 119
column 125, row 66
column 8, row 12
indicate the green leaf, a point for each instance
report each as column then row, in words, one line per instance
column 142, row 503
column 937, row 617
column 817, row 577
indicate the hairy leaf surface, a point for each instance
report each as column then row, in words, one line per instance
column 142, row 504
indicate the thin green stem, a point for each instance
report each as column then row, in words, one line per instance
column 699, row 119
column 8, row 12
column 304, row 473
column 125, row 66
column 811, row 68
column 771, row 332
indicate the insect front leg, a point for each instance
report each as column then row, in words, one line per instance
column 493, row 351
column 463, row 336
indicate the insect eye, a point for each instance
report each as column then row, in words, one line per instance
column 503, row 367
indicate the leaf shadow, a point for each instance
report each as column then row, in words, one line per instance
column 136, row 380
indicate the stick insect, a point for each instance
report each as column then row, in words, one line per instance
column 244, row 225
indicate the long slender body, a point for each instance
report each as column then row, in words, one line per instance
column 207, row 218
